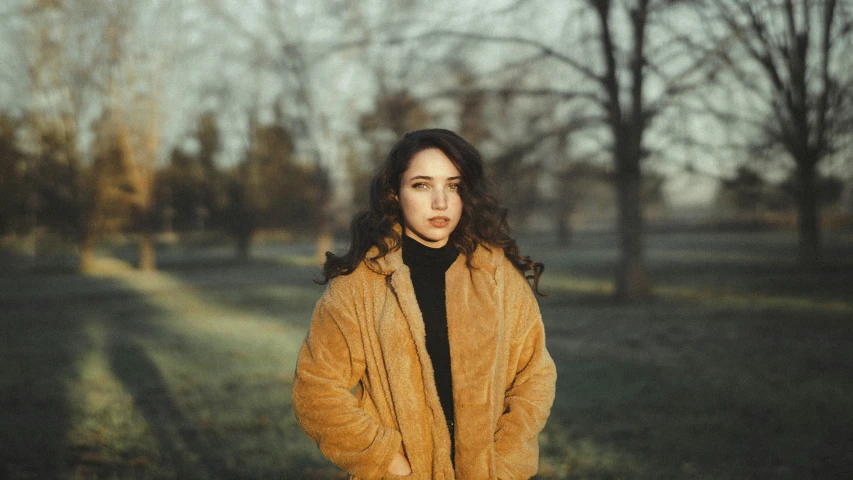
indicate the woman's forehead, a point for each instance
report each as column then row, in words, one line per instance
column 432, row 163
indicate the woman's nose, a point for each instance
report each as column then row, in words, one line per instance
column 439, row 200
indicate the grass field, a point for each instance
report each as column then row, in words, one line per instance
column 740, row 368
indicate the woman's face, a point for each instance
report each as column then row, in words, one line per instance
column 429, row 198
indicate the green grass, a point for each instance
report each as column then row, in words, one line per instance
column 739, row 368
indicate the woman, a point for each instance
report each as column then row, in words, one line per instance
column 426, row 354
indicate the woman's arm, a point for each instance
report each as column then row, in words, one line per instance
column 528, row 400
column 330, row 364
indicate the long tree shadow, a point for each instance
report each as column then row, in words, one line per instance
column 43, row 315
column 37, row 361
column 265, row 286
column 197, row 358
column 271, row 291
column 183, row 447
column 70, row 350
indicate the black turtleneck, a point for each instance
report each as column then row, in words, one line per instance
column 427, row 266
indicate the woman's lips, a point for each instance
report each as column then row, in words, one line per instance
column 439, row 222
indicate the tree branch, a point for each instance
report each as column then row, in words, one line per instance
column 825, row 55
column 610, row 80
column 545, row 50
column 524, row 148
column 763, row 58
column 517, row 91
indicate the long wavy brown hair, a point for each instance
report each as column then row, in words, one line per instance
column 483, row 220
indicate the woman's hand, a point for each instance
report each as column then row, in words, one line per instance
column 400, row 466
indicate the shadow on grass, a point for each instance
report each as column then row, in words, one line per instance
column 34, row 412
column 180, row 441
column 683, row 389
column 39, row 348
column 218, row 415
column 272, row 287
column 82, row 396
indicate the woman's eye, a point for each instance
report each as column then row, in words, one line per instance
column 453, row 186
column 419, row 185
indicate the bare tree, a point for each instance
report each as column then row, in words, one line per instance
column 59, row 86
column 280, row 46
column 629, row 82
column 94, row 65
column 135, row 75
column 792, row 61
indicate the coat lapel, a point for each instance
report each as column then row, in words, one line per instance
column 474, row 325
column 403, row 341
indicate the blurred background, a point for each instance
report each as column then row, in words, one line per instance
column 171, row 174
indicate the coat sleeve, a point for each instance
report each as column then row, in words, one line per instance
column 528, row 400
column 329, row 365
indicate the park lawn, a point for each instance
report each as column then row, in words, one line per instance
column 740, row 368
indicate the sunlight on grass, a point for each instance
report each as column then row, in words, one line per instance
column 697, row 255
column 106, row 266
column 577, row 285
column 754, row 300
column 300, row 260
column 562, row 457
column 571, row 284
column 226, row 373
column 107, row 431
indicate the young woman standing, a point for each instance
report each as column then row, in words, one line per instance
column 426, row 354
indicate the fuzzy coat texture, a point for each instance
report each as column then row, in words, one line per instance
column 364, row 386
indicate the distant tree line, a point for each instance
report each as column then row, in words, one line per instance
column 193, row 192
column 749, row 193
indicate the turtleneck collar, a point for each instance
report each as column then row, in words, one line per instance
column 484, row 256
column 418, row 255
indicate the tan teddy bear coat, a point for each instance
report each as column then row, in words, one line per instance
column 364, row 386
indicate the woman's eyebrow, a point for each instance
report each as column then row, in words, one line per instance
column 427, row 177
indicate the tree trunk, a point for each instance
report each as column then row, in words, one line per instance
column 147, row 253
column 325, row 239
column 808, row 225
column 244, row 242
column 323, row 245
column 632, row 278
column 86, row 250
column 562, row 218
